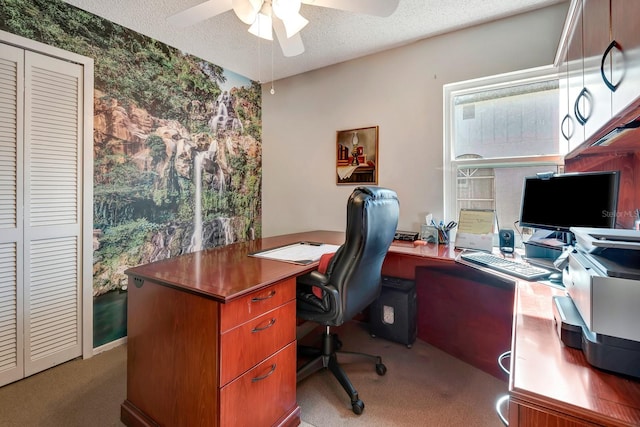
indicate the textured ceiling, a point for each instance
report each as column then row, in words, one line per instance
column 331, row 37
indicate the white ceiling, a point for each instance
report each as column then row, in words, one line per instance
column 331, row 37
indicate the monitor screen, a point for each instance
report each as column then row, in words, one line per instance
column 558, row 202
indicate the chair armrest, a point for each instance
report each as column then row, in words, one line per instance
column 315, row 278
column 329, row 299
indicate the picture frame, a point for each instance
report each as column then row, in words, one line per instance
column 357, row 156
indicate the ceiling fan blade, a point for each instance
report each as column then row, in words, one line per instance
column 368, row 7
column 291, row 46
column 200, row 12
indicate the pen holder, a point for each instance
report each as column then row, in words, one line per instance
column 443, row 237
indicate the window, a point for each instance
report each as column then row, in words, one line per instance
column 497, row 131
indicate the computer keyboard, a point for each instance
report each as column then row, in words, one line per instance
column 508, row 266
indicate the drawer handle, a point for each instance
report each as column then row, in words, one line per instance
column 270, row 324
column 612, row 87
column 505, row 355
column 260, row 378
column 569, row 126
column 258, row 299
column 580, row 117
column 499, row 405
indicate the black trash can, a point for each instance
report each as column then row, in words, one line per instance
column 393, row 315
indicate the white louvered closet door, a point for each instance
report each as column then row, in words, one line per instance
column 11, row 269
column 47, row 207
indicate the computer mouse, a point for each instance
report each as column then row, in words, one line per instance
column 555, row 277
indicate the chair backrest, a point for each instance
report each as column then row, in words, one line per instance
column 355, row 270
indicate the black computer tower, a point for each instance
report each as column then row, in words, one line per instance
column 393, row 315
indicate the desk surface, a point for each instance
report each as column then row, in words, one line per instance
column 548, row 373
column 228, row 272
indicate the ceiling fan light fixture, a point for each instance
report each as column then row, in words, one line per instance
column 286, row 8
column 294, row 23
column 247, row 10
column 289, row 12
column 261, row 27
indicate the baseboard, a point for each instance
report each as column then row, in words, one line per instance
column 109, row 346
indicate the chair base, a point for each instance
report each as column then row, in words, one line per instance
column 326, row 358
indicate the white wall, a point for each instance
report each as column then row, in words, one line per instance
column 399, row 90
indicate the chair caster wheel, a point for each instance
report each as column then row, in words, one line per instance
column 381, row 369
column 357, row 407
column 337, row 343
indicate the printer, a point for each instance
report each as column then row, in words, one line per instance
column 601, row 312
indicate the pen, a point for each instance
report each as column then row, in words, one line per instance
column 311, row 243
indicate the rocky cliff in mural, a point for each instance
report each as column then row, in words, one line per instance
column 162, row 191
column 176, row 148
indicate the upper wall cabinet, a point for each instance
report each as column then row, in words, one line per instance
column 626, row 61
column 599, row 56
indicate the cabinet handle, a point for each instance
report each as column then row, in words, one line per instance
column 270, row 324
column 260, row 378
column 569, row 133
column 269, row 295
column 499, row 405
column 582, row 119
column 505, row 355
column 612, row 87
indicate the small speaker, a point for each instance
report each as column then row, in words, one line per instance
column 507, row 241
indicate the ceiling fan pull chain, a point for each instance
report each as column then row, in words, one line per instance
column 259, row 61
column 272, row 91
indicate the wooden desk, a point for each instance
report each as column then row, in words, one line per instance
column 211, row 338
column 462, row 310
column 554, row 385
column 186, row 316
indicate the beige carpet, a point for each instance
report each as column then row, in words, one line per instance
column 423, row 387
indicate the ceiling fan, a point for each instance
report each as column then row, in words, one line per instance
column 279, row 16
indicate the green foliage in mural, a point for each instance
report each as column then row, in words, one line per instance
column 152, row 107
column 128, row 65
column 157, row 149
column 247, row 111
column 131, row 235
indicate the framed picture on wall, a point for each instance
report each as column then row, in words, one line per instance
column 357, row 156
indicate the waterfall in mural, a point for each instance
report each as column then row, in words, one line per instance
column 196, row 238
column 227, row 230
column 225, row 116
column 213, row 149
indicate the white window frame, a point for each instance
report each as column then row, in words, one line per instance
column 451, row 165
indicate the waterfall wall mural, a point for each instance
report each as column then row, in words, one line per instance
column 177, row 148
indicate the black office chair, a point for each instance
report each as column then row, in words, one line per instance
column 351, row 283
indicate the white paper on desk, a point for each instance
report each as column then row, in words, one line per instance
column 297, row 253
column 481, row 242
column 475, row 229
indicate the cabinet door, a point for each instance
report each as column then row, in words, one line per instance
column 626, row 71
column 52, row 211
column 40, row 212
column 597, row 101
column 567, row 123
column 575, row 77
column 11, row 159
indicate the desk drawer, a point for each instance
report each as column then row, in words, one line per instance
column 248, row 344
column 256, row 303
column 262, row 395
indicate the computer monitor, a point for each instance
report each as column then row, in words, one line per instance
column 559, row 202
